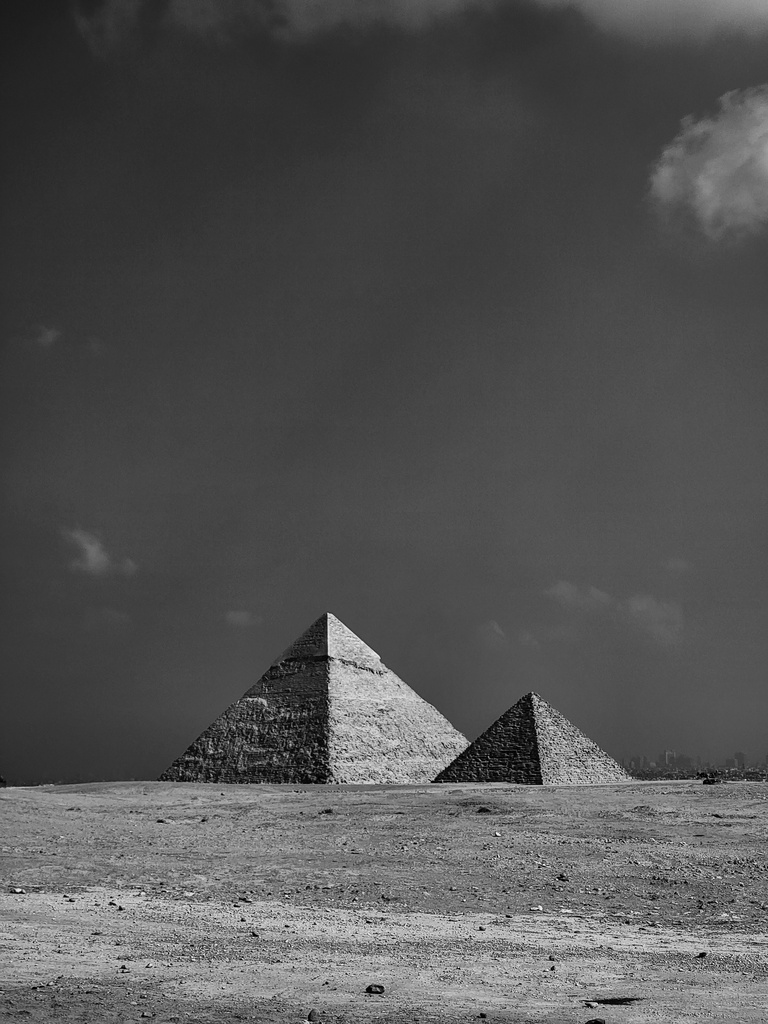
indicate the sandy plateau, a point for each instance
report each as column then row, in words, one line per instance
column 184, row 902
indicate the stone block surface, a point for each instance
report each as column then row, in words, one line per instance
column 533, row 744
column 328, row 710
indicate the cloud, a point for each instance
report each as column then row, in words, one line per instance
column 677, row 566
column 114, row 21
column 571, row 596
column 491, row 637
column 92, row 558
column 105, row 618
column 715, row 171
column 300, row 19
column 662, row 621
column 109, row 25
column 46, row 337
column 526, row 639
column 672, row 19
column 242, row 619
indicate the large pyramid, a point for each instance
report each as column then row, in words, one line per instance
column 533, row 744
column 328, row 710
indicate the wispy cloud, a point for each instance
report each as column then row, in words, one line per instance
column 242, row 619
column 105, row 618
column 672, row 19
column 92, row 557
column 715, row 171
column 662, row 621
column 110, row 25
column 676, row 565
column 115, row 21
column 491, row 637
column 46, row 337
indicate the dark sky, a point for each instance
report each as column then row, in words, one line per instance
column 434, row 315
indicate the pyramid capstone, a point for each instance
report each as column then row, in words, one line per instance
column 328, row 710
column 533, row 744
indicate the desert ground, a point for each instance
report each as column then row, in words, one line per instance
column 180, row 902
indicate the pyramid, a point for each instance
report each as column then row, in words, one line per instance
column 533, row 744
column 326, row 711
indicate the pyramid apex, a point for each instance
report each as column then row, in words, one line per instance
column 329, row 637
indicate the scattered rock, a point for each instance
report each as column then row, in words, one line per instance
column 481, row 928
column 375, row 990
column 618, row 1000
column 484, row 810
column 254, row 934
column 551, row 957
column 161, row 821
column 596, row 1020
column 538, row 908
column 701, row 955
column 563, row 877
column 17, row 891
column 314, row 1015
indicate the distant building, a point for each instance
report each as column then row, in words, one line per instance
column 738, row 757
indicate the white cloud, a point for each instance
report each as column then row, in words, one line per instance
column 662, row 621
column 92, row 557
column 716, row 170
column 219, row 20
column 46, row 337
column 242, row 619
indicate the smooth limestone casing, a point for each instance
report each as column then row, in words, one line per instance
column 533, row 744
column 328, row 710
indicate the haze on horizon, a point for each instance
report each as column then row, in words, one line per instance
column 445, row 316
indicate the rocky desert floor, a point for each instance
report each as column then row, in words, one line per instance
column 208, row 903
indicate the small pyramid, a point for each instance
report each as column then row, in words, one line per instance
column 533, row 744
column 328, row 710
